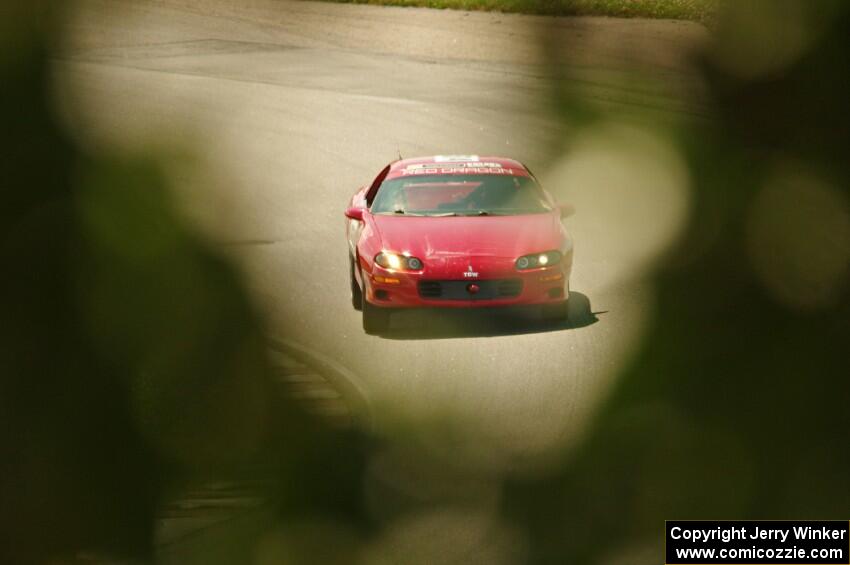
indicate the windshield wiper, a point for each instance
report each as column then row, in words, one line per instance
column 443, row 214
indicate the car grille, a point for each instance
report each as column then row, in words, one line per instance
column 510, row 287
column 458, row 290
column 430, row 289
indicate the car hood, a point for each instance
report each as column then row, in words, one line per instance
column 481, row 236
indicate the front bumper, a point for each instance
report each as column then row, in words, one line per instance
column 391, row 289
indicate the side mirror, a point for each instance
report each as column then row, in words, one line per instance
column 567, row 210
column 354, row 213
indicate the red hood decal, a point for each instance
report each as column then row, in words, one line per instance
column 480, row 236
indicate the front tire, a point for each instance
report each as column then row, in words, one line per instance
column 356, row 293
column 375, row 319
column 558, row 312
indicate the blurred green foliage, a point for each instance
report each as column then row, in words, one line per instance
column 698, row 10
column 735, row 405
column 131, row 358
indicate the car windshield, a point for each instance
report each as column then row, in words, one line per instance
column 460, row 195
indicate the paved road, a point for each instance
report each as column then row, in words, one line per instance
column 291, row 106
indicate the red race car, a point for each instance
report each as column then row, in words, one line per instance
column 458, row 232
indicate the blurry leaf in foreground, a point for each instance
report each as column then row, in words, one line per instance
column 799, row 239
column 173, row 314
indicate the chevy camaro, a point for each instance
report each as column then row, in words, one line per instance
column 456, row 232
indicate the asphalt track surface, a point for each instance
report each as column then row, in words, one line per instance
column 291, row 106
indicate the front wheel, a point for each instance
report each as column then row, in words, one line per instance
column 558, row 312
column 375, row 318
column 356, row 293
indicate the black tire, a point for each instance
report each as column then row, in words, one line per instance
column 558, row 312
column 375, row 319
column 356, row 293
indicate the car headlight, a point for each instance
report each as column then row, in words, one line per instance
column 546, row 259
column 398, row 262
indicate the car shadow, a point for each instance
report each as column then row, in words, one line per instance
column 447, row 323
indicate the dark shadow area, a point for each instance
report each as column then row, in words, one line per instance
column 133, row 363
column 450, row 323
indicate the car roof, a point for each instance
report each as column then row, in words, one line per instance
column 456, row 164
